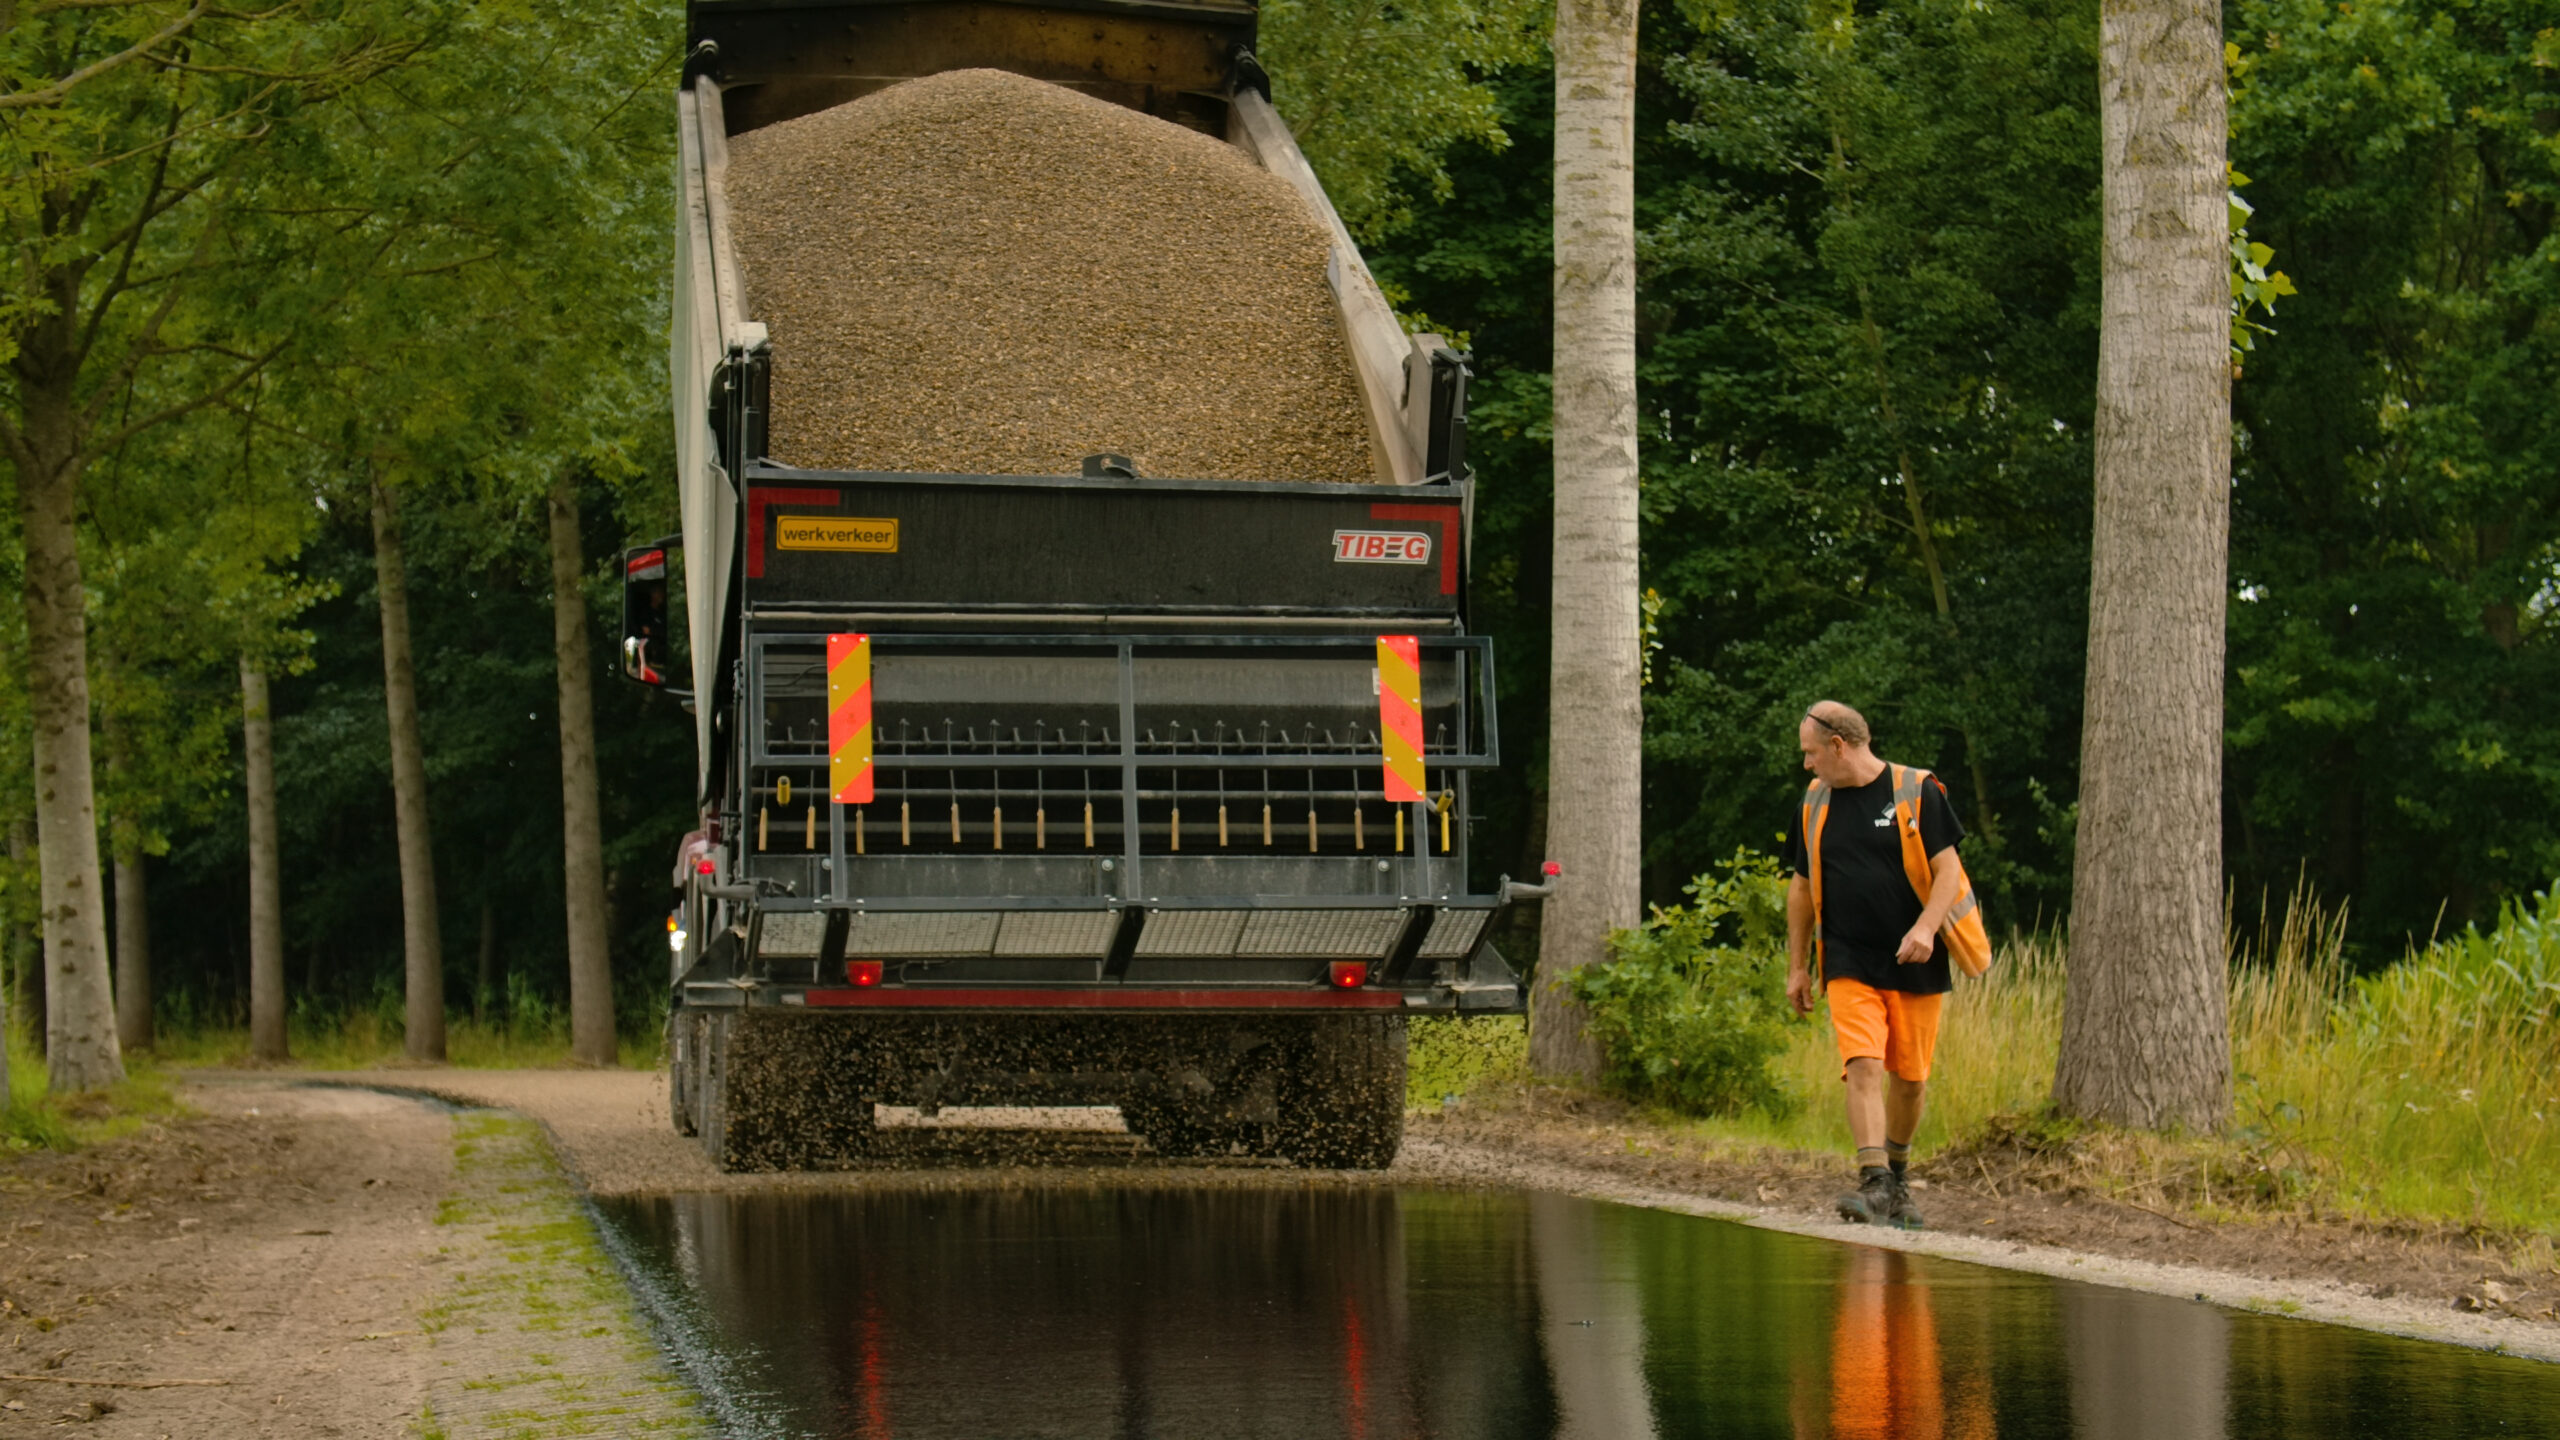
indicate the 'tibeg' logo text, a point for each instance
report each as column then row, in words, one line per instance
column 1381, row 547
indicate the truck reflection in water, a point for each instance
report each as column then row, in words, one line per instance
column 974, row 1311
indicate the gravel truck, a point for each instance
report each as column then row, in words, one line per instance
column 1088, row 788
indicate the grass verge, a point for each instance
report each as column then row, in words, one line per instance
column 37, row 1119
column 535, row 1336
column 361, row 1040
column 2427, row 1093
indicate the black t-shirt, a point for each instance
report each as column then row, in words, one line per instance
column 1867, row 902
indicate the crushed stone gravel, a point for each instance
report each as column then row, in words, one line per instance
column 982, row 273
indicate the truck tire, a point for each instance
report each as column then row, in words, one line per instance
column 1342, row 1094
column 684, row 1073
column 1176, row 1133
column 782, row 1092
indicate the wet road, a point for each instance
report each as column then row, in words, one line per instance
column 985, row 1314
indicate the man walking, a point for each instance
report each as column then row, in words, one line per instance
column 1876, row 879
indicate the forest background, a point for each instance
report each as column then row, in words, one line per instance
column 1868, row 330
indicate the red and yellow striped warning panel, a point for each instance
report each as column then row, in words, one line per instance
column 1400, row 714
column 849, row 719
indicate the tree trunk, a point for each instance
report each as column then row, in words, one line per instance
column 266, row 870
column 1595, row 764
column 420, row 934
column 8, row 984
column 2145, row 1035
column 133, row 906
column 581, row 821
column 80, row 1008
column 485, row 991
column 133, row 953
column 26, row 945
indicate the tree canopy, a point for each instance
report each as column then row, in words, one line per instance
column 299, row 249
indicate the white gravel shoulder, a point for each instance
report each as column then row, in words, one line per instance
column 2326, row 1301
column 612, row 1132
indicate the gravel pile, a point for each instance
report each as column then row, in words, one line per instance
column 984, row 273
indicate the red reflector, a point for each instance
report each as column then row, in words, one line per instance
column 863, row 973
column 1552, row 869
column 1350, row 974
column 703, row 867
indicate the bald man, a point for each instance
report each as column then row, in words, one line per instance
column 1883, row 964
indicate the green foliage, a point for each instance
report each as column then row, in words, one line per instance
column 1691, row 1006
column 2395, row 530
column 1378, row 94
column 1447, row 1056
column 2501, row 983
column 2253, row 286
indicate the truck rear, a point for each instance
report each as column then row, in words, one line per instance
column 1095, row 788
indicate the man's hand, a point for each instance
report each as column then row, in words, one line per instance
column 1800, row 989
column 1919, row 945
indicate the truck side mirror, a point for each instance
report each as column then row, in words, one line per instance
column 646, row 633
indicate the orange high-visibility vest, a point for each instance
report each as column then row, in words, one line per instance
column 1968, row 942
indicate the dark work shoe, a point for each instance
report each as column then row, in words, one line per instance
column 1905, row 1214
column 1872, row 1203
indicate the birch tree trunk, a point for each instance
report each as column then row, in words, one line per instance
column 2145, row 1034
column 581, row 821
column 133, row 909
column 80, row 1011
column 420, row 934
column 1595, row 764
column 26, row 942
column 133, row 952
column 266, row 870
column 484, row 993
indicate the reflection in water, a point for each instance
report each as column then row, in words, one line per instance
column 1384, row 1315
column 2145, row 1367
column 1889, row 1380
column 1592, row 1312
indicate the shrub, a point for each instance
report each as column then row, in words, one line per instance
column 1691, row 1006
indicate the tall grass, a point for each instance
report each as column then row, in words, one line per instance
column 514, row 1028
column 2429, row 1091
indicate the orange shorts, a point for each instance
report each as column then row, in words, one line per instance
column 1888, row 1025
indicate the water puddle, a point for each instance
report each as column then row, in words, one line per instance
column 986, row 1314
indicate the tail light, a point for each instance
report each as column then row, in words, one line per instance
column 1349, row 974
column 863, row 973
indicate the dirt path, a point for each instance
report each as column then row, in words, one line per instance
column 325, row 1261
column 350, row 1262
column 283, row 1243
column 612, row 1129
column 2018, row 1211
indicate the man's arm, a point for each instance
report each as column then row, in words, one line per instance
column 1800, row 943
column 1922, row 941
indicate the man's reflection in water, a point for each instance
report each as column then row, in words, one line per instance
column 2145, row 1367
column 1884, row 1353
column 1888, row 1378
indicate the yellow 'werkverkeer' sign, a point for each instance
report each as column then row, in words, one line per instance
column 834, row 532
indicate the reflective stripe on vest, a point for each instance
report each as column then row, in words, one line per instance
column 1968, row 942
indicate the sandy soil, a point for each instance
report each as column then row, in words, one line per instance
column 281, row 1244
column 284, row 1242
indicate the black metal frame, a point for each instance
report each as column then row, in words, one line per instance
column 1479, row 713
column 1132, row 856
